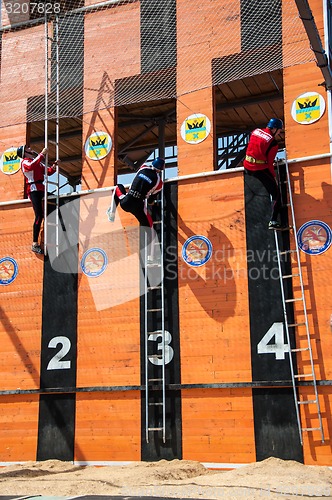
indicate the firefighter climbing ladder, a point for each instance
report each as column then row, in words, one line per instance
column 52, row 197
column 302, row 328
column 154, row 326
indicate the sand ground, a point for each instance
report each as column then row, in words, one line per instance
column 271, row 479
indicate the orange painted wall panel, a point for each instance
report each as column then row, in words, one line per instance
column 194, row 158
column 316, row 452
column 311, row 139
column 12, row 186
column 108, row 426
column 312, row 201
column 213, row 299
column 18, row 428
column 20, row 302
column 108, row 305
column 22, row 76
column 98, row 173
column 198, row 43
column 103, row 30
column 218, row 426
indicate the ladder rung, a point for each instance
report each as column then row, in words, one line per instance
column 296, row 324
column 155, row 428
column 300, row 349
column 154, row 287
column 286, row 251
column 52, row 224
column 52, row 182
column 311, row 429
column 155, row 380
column 157, row 222
column 289, row 276
column 153, row 264
column 300, row 375
column 309, row 402
column 155, row 356
column 153, row 310
column 156, row 404
column 294, row 300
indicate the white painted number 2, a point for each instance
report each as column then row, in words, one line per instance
column 169, row 353
column 56, row 362
column 279, row 347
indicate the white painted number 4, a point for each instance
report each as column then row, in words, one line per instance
column 279, row 347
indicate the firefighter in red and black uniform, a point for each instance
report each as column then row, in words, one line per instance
column 33, row 169
column 259, row 162
column 146, row 185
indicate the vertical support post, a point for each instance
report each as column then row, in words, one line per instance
column 57, row 132
column 161, row 147
column 46, row 129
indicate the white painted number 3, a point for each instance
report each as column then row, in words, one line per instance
column 169, row 353
column 279, row 347
column 56, row 362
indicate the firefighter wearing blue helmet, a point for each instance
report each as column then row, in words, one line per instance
column 259, row 163
column 146, row 185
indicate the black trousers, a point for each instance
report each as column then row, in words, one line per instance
column 133, row 205
column 36, row 198
column 271, row 186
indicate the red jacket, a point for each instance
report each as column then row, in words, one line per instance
column 34, row 171
column 263, row 148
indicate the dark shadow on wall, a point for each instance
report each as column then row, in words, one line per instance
column 219, row 304
column 19, row 348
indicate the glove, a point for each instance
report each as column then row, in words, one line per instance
column 110, row 214
column 44, row 151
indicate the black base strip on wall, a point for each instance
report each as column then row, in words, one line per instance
column 171, row 387
column 269, row 347
column 56, row 423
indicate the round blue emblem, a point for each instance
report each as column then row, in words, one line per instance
column 94, row 262
column 197, row 251
column 314, row 237
column 8, row 270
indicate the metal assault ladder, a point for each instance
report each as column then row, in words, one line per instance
column 54, row 196
column 287, row 301
column 154, row 326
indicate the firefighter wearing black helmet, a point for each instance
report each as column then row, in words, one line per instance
column 259, row 162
